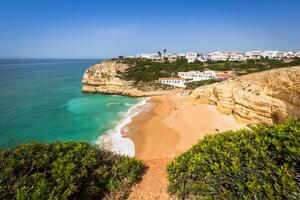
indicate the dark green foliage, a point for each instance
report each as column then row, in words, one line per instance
column 72, row 170
column 262, row 163
column 145, row 70
column 193, row 85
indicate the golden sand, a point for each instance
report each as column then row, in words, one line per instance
column 174, row 125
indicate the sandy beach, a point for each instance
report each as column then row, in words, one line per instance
column 174, row 125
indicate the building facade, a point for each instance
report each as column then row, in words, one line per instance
column 253, row 55
column 197, row 75
column 191, row 56
column 177, row 82
column 273, row 55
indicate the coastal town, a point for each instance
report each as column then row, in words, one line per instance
column 182, row 78
column 219, row 56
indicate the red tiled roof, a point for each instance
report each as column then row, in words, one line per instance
column 222, row 75
column 171, row 79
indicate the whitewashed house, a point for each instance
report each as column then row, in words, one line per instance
column 191, row 56
column 273, row 54
column 153, row 56
column 197, row 75
column 297, row 54
column 234, row 56
column 178, row 82
column 269, row 54
column 181, row 55
column 218, row 56
column 203, row 58
column 171, row 57
column 288, row 54
column 143, row 55
column 253, row 55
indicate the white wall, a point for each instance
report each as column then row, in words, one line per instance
column 177, row 83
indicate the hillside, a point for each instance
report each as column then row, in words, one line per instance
column 264, row 97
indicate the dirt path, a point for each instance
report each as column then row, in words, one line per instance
column 154, row 183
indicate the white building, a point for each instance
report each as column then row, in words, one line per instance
column 273, row 54
column 171, row 56
column 153, row 56
column 218, row 56
column 253, row 55
column 197, row 75
column 223, row 56
column 288, row 54
column 203, row 58
column 297, row 54
column 181, row 54
column 234, row 56
column 178, row 82
column 191, row 56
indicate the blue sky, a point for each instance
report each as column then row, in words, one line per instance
column 106, row 28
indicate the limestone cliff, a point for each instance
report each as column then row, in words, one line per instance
column 105, row 78
column 265, row 97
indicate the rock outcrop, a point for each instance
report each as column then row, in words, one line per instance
column 105, row 78
column 265, row 97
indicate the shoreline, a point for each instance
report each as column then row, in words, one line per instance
column 149, row 135
column 173, row 125
column 113, row 139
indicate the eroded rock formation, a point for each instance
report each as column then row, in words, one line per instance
column 265, row 97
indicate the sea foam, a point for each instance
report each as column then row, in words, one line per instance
column 113, row 141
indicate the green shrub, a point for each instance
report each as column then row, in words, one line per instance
column 71, row 170
column 261, row 163
column 195, row 84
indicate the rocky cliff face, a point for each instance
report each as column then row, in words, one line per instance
column 265, row 97
column 104, row 78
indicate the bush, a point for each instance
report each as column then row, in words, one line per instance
column 261, row 163
column 71, row 170
column 195, row 84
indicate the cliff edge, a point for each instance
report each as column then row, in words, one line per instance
column 105, row 78
column 264, row 97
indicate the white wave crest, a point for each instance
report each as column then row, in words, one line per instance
column 113, row 141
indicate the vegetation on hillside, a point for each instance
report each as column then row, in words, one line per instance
column 261, row 163
column 145, row 70
column 72, row 170
column 194, row 84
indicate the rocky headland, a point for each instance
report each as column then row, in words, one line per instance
column 105, row 78
column 265, row 97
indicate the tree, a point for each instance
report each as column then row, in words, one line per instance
column 165, row 51
column 159, row 53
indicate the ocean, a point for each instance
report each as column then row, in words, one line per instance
column 41, row 100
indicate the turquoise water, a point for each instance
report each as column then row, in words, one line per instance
column 41, row 99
